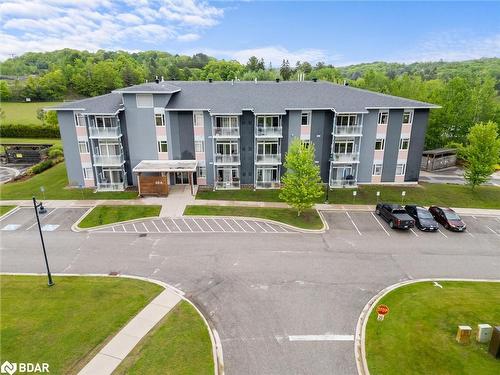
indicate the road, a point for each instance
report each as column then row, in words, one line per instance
column 278, row 300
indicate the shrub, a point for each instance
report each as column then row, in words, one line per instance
column 40, row 167
column 29, row 131
column 55, row 153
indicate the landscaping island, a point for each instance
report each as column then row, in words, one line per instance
column 102, row 215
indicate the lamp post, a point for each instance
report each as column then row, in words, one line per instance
column 42, row 210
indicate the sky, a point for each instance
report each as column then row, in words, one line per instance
column 335, row 32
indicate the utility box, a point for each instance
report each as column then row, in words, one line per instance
column 494, row 348
column 463, row 334
column 484, row 332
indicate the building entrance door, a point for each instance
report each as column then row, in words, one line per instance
column 181, row 178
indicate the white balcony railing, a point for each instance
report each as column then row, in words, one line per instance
column 269, row 131
column 348, row 130
column 226, row 131
column 110, row 186
column 343, row 183
column 227, row 159
column 267, row 184
column 109, row 132
column 227, row 185
column 108, row 160
column 341, row 157
column 268, row 159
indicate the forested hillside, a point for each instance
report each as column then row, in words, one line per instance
column 468, row 91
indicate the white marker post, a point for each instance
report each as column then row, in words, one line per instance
column 354, row 193
column 403, row 194
column 378, row 196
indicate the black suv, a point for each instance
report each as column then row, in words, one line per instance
column 423, row 218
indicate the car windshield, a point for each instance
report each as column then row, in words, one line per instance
column 450, row 215
column 424, row 214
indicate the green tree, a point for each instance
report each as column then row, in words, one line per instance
column 285, row 70
column 51, row 118
column 254, row 64
column 4, row 91
column 481, row 153
column 301, row 181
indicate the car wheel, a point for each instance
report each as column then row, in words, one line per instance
column 377, row 211
column 447, row 226
column 391, row 224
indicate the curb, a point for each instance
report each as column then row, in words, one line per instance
column 76, row 228
column 359, row 338
column 8, row 213
column 214, row 336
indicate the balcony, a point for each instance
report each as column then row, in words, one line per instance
column 226, row 132
column 105, row 132
column 268, row 159
column 227, row 159
column 341, row 157
column 269, row 131
column 348, row 130
column 110, row 186
column 267, row 185
column 108, row 160
column 343, row 183
column 227, row 185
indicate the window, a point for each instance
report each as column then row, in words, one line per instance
column 144, row 100
column 346, row 147
column 404, row 143
column 87, row 174
column 199, row 145
column 268, row 121
column 400, row 169
column 159, row 119
column 306, row 119
column 226, row 121
column 383, row 117
column 83, row 147
column 201, row 172
column 226, row 148
column 379, row 144
column 103, row 122
column 377, row 169
column 198, row 120
column 79, row 119
column 346, row 120
column 162, row 146
column 407, row 117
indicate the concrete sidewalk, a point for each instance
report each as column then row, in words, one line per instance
column 115, row 351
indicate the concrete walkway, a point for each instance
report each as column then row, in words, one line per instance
column 115, row 351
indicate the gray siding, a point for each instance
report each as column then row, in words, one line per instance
column 209, row 147
column 186, row 136
column 70, row 146
column 392, row 145
column 247, row 144
column 367, row 147
column 321, row 129
column 417, row 140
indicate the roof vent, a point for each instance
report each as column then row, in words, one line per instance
column 277, row 80
column 210, row 80
column 315, row 79
column 157, row 80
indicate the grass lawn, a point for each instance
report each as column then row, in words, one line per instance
column 179, row 344
column 307, row 220
column 65, row 325
column 5, row 209
column 23, row 113
column 423, row 194
column 418, row 334
column 30, row 140
column 102, row 215
column 55, row 181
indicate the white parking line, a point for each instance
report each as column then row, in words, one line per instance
column 229, row 225
column 123, row 227
column 158, row 229
column 321, row 338
column 439, row 230
column 470, row 234
column 194, row 221
column 215, row 221
column 173, row 221
column 187, row 225
column 166, row 226
column 134, row 227
column 252, row 228
column 238, row 224
column 271, row 227
column 145, row 227
column 41, row 219
column 212, row 229
column 379, row 223
column 414, row 232
column 493, row 231
column 355, row 226
column 114, row 230
column 5, row 216
column 260, row 226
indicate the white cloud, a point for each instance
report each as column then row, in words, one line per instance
column 45, row 25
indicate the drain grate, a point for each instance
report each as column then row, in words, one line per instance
column 143, row 235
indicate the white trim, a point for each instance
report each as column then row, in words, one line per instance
column 159, row 143
column 381, row 168
column 144, row 92
column 404, row 168
column 309, row 118
column 432, row 106
column 383, row 144
column 87, row 148
column 404, row 138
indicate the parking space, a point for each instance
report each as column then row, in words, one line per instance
column 197, row 225
column 362, row 223
column 55, row 219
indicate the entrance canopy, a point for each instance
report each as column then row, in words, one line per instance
column 147, row 166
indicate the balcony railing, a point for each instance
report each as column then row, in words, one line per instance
column 227, row 159
column 348, row 130
column 343, row 183
column 109, row 132
column 269, row 131
column 268, row 159
column 227, row 185
column 108, row 160
column 341, row 157
column 110, row 186
column 267, row 184
column 226, row 131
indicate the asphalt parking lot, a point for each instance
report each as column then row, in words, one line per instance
column 56, row 219
column 197, row 225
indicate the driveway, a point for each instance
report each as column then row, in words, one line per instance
column 282, row 303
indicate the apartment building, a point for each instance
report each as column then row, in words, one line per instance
column 227, row 135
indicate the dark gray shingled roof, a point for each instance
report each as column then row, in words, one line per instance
column 103, row 104
column 151, row 88
column 273, row 97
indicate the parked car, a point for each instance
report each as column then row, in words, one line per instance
column 423, row 218
column 395, row 215
column 447, row 218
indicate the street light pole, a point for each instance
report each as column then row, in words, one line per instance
column 36, row 205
